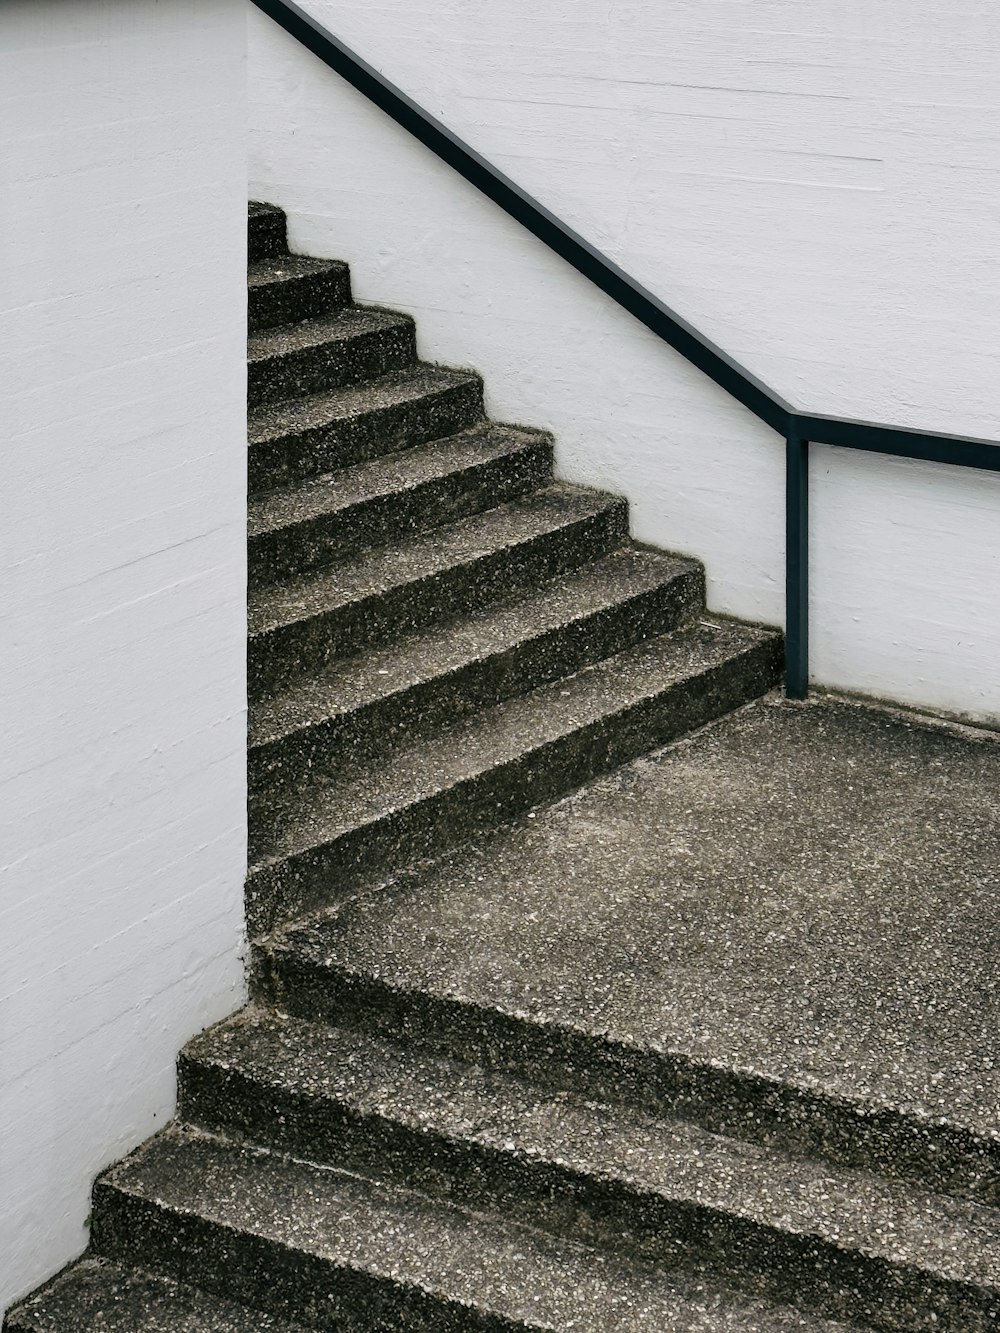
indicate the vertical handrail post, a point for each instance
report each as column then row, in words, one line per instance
column 796, row 567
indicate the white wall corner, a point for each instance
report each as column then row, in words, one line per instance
column 812, row 187
column 122, row 546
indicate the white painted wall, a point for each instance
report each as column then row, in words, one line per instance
column 122, row 583
column 814, row 186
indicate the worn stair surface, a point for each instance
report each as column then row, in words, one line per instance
column 594, row 987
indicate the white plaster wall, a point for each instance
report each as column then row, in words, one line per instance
column 814, row 186
column 122, row 583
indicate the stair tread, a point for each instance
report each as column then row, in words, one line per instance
column 672, row 1160
column 495, row 630
column 314, row 411
column 771, row 899
column 421, row 556
column 349, row 322
column 458, row 1257
column 282, row 268
column 335, row 492
column 500, row 735
column 99, row 1296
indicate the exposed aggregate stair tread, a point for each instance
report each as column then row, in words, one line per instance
column 347, row 346
column 285, row 1233
column 278, row 269
column 272, row 421
column 100, row 1296
column 285, row 289
column 648, row 937
column 510, row 731
column 374, row 574
column 283, row 1082
column 293, row 439
column 326, row 332
column 266, row 232
column 614, row 583
column 392, row 479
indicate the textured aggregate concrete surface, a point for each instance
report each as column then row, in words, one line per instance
column 708, row 1044
column 575, row 612
column 609, row 1174
column 341, row 1252
column 809, row 893
column 104, row 1297
column 305, row 437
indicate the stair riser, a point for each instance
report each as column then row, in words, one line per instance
column 308, row 296
column 776, row 1264
column 468, row 809
column 267, row 1275
column 277, row 769
column 96, row 1295
column 266, row 236
column 277, row 658
column 310, row 453
column 723, row 1101
column 385, row 518
column 331, row 365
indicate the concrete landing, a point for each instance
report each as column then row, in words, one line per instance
column 809, row 893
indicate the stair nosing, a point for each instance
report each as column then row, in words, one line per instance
column 580, row 504
column 877, row 1201
column 442, row 378
column 260, row 277
column 750, row 638
column 440, row 1271
column 659, row 570
column 502, row 441
column 349, row 321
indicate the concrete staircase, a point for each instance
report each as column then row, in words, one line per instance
column 539, row 1041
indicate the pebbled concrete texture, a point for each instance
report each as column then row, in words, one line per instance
column 394, row 693
column 345, row 347
column 102, row 1297
column 455, row 786
column 301, row 625
column 285, row 288
column 266, row 232
column 339, row 1252
column 302, row 438
column 317, row 521
column 848, row 1242
column 785, row 926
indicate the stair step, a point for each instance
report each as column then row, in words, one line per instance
column 306, row 437
column 397, row 692
column 845, row 1242
column 759, row 929
column 315, row 1244
column 265, row 232
column 284, row 289
column 304, row 527
column 99, row 1296
column 448, row 789
column 356, row 343
column 304, row 623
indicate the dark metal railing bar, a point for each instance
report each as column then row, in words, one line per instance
column 532, row 215
column 796, row 567
column 798, row 428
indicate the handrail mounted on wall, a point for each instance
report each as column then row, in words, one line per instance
column 800, row 429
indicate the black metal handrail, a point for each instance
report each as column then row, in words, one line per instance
column 799, row 428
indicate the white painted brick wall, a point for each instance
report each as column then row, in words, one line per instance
column 122, row 583
column 814, row 186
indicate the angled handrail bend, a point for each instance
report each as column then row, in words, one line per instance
column 800, row 429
